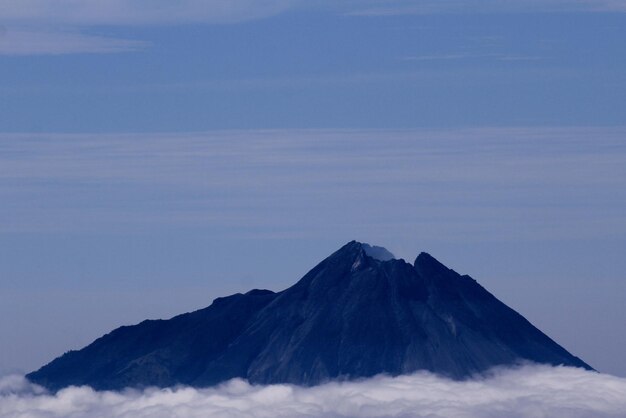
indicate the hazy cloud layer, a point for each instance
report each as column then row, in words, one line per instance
column 486, row 183
column 532, row 391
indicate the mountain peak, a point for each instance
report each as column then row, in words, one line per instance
column 351, row 316
column 358, row 252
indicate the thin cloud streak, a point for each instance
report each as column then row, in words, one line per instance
column 470, row 56
column 137, row 12
column 39, row 42
column 530, row 391
column 426, row 7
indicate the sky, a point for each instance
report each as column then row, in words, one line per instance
column 157, row 155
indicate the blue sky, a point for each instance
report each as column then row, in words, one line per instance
column 154, row 157
column 311, row 67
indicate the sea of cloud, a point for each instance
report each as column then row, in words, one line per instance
column 529, row 391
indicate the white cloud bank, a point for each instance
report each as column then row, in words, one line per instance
column 530, row 391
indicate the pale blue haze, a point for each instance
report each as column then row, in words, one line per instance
column 150, row 162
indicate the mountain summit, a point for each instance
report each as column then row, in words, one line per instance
column 358, row 313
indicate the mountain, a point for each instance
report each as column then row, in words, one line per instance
column 358, row 313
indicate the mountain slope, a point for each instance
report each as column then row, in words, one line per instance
column 351, row 316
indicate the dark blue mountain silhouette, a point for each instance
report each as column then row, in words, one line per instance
column 352, row 316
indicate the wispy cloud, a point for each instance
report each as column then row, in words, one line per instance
column 58, row 26
column 132, row 12
column 78, row 16
column 531, row 391
column 41, row 42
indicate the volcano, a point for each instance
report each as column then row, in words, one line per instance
column 358, row 313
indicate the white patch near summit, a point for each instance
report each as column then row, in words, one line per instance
column 377, row 253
